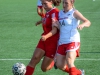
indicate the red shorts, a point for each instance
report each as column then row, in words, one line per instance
column 74, row 46
column 49, row 47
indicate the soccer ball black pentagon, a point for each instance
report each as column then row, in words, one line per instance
column 19, row 69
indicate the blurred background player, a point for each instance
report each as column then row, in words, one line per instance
column 47, row 44
column 69, row 40
column 40, row 9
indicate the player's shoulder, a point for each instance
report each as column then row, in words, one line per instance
column 76, row 12
column 54, row 10
column 61, row 12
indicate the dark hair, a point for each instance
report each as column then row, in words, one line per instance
column 56, row 2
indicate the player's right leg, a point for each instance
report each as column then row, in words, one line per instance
column 70, row 58
column 82, row 71
column 38, row 54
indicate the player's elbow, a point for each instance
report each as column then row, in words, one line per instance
column 88, row 23
column 54, row 30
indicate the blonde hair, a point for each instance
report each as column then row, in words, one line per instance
column 72, row 1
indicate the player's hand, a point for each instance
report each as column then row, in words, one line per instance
column 80, row 27
column 43, row 38
column 38, row 23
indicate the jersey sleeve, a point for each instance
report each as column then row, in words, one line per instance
column 54, row 17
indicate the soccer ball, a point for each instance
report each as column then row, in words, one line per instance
column 19, row 69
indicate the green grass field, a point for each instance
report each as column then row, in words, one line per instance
column 19, row 36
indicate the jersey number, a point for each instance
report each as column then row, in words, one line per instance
column 62, row 23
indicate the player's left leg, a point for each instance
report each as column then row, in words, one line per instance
column 70, row 57
column 50, row 51
column 47, row 64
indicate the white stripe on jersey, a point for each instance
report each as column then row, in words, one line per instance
column 68, row 27
column 76, row 47
column 53, row 15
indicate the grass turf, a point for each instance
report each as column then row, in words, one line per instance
column 19, row 35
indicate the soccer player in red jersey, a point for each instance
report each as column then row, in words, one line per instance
column 47, row 45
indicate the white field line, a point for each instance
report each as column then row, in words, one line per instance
column 12, row 59
column 91, row 12
column 18, row 12
column 42, row 59
column 89, row 59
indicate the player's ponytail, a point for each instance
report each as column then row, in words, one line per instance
column 56, row 2
column 72, row 1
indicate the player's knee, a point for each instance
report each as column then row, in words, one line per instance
column 60, row 66
column 43, row 69
column 70, row 62
column 34, row 60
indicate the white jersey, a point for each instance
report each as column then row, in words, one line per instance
column 68, row 27
column 39, row 3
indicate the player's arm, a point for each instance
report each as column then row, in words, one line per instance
column 38, row 10
column 38, row 22
column 51, row 33
column 54, row 28
column 85, row 22
column 55, row 23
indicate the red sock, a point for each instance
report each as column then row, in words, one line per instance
column 74, row 71
column 78, row 72
column 29, row 70
column 67, row 69
column 52, row 64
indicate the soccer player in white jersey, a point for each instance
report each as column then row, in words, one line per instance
column 69, row 40
column 40, row 9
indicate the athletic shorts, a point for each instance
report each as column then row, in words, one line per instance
column 49, row 47
column 74, row 46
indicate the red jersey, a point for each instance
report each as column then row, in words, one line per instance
column 47, row 22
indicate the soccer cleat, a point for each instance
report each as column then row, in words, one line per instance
column 55, row 66
column 83, row 72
